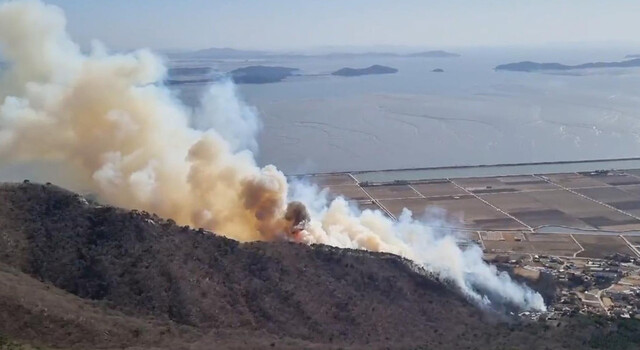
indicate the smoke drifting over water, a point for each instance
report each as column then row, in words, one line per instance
column 108, row 121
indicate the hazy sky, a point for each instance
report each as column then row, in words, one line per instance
column 290, row 24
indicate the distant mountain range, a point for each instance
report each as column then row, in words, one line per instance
column 228, row 53
column 528, row 66
column 428, row 54
column 437, row 53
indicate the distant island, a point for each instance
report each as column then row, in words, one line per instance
column 632, row 56
column 189, row 71
column 245, row 75
column 528, row 66
column 260, row 74
column 438, row 70
column 191, row 75
column 354, row 72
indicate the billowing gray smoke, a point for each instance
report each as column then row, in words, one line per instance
column 111, row 126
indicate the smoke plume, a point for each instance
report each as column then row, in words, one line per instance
column 109, row 122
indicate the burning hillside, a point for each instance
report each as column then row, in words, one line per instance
column 85, row 276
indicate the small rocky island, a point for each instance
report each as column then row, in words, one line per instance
column 528, row 66
column 261, row 74
column 354, row 72
column 438, row 70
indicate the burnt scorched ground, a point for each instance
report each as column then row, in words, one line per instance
column 79, row 275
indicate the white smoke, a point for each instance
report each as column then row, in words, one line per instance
column 339, row 224
column 222, row 110
column 106, row 119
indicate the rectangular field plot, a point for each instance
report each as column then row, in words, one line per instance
column 352, row 192
column 526, row 183
column 391, row 191
column 585, row 210
column 548, row 217
column 635, row 189
column 468, row 238
column 635, row 172
column 472, row 235
column 467, row 212
column 508, row 243
column 492, row 236
column 438, row 189
column 617, row 179
column 608, row 194
column 323, row 180
column 514, row 201
column 370, row 205
column 553, row 244
column 572, row 180
column 602, row 246
column 635, row 240
column 483, row 185
column 533, row 211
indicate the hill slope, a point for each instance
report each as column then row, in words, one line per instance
column 79, row 275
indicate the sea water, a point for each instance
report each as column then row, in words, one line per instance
column 467, row 115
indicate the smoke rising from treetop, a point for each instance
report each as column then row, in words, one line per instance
column 109, row 121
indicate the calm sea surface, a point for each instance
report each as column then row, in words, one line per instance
column 467, row 115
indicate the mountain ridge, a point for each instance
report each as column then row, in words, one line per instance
column 78, row 274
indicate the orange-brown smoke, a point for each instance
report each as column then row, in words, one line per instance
column 124, row 136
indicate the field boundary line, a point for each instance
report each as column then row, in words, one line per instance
column 492, row 206
column 631, row 246
column 579, row 245
column 375, row 201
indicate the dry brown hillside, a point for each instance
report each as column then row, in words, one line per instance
column 78, row 275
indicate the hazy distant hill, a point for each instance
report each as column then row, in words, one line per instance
column 437, row 53
column 528, row 66
column 375, row 69
column 75, row 274
column 427, row 54
column 632, row 56
column 227, row 53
